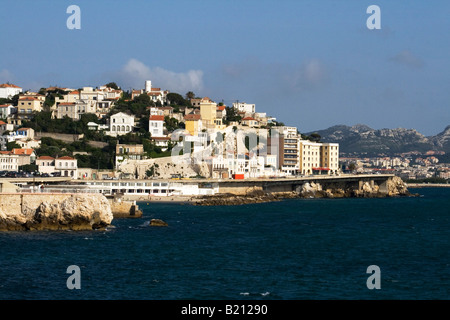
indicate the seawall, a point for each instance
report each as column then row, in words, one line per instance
column 245, row 191
column 124, row 209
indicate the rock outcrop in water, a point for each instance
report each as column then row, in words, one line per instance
column 54, row 212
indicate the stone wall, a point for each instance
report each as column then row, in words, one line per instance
column 124, row 209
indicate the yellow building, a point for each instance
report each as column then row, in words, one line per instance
column 208, row 114
column 330, row 156
column 193, row 124
column 310, row 156
column 27, row 105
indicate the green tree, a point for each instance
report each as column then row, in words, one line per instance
column 12, row 145
column 113, row 85
column 232, row 116
column 190, row 95
column 177, row 99
column 142, row 99
column 352, row 167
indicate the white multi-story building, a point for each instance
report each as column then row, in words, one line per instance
column 237, row 165
column 156, row 126
column 9, row 161
column 120, row 124
column 8, row 90
column 248, row 108
column 68, row 167
column 155, row 94
column 46, row 164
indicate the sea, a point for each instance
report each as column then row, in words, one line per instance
column 297, row 249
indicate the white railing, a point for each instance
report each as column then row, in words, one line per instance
column 57, row 190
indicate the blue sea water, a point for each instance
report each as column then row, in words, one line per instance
column 316, row 249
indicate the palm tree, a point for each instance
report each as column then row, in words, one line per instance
column 190, row 95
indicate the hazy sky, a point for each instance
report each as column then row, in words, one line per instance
column 310, row 64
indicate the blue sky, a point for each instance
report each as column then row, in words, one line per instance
column 310, row 64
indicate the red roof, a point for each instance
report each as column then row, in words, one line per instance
column 4, row 105
column 67, row 104
column 9, row 85
column 249, row 118
column 156, row 118
column 321, row 169
column 65, row 158
column 1, row 122
column 45, row 158
column 192, row 117
column 22, row 151
column 74, row 92
column 221, row 108
column 28, row 98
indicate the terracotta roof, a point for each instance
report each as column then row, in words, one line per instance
column 23, row 129
column 52, row 88
column 74, row 92
column 1, row 122
column 45, row 158
column 9, row 85
column 22, row 151
column 65, row 158
column 192, row 117
column 66, row 104
column 221, row 108
column 5, row 152
column 28, row 98
column 157, row 118
column 154, row 93
column 249, row 118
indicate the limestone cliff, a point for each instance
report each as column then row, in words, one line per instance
column 54, row 212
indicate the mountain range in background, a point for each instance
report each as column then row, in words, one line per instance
column 361, row 139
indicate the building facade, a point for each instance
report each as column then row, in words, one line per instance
column 8, row 90
column 120, row 124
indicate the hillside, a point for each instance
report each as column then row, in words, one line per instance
column 363, row 139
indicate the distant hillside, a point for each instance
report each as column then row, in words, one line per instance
column 363, row 139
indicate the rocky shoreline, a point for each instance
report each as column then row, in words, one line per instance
column 21, row 212
column 395, row 188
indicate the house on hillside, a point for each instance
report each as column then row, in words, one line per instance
column 120, row 124
column 9, row 90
